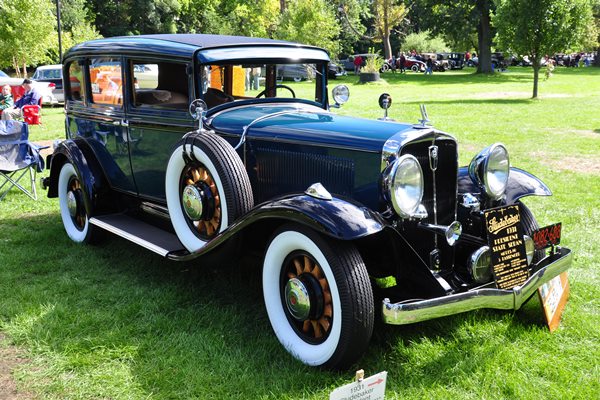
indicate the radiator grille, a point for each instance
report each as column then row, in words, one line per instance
column 283, row 171
column 445, row 178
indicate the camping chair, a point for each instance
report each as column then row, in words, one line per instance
column 17, row 158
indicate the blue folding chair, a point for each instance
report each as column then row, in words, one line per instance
column 17, row 158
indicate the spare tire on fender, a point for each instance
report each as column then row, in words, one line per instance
column 207, row 188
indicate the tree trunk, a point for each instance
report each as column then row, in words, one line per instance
column 536, row 75
column 282, row 6
column 387, row 47
column 597, row 58
column 484, row 37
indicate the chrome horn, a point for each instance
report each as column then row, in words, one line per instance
column 451, row 232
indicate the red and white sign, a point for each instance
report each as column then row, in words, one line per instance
column 371, row 388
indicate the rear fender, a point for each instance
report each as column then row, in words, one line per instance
column 90, row 173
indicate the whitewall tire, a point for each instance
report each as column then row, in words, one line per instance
column 319, row 301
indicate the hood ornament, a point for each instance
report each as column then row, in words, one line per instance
column 424, row 122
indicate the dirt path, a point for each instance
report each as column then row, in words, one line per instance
column 9, row 359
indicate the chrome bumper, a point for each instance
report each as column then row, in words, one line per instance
column 416, row 311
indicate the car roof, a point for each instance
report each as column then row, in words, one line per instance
column 184, row 45
column 54, row 66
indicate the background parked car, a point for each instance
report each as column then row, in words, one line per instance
column 455, row 60
column 53, row 75
column 440, row 64
column 17, row 90
column 348, row 62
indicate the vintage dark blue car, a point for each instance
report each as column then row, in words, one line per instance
column 192, row 145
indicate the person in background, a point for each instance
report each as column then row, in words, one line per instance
column 6, row 100
column 357, row 64
column 31, row 96
column 429, row 65
column 402, row 62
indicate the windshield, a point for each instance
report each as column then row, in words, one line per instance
column 48, row 74
column 237, row 82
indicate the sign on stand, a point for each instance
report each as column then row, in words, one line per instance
column 554, row 296
column 371, row 388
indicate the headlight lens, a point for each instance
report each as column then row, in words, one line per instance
column 490, row 169
column 405, row 185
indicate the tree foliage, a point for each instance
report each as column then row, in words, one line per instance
column 422, row 42
column 542, row 27
column 311, row 22
column 27, row 32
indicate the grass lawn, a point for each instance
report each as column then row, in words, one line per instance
column 118, row 322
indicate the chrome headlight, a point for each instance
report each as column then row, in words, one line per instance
column 490, row 168
column 405, row 185
column 480, row 265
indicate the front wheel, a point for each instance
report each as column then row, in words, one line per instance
column 318, row 297
column 415, row 68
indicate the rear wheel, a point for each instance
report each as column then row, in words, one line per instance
column 415, row 68
column 319, row 300
column 73, row 210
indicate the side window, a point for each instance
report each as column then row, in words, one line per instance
column 76, row 86
column 162, row 84
column 105, row 79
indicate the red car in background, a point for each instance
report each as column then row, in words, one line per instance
column 410, row 63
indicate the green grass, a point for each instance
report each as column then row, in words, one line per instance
column 115, row 321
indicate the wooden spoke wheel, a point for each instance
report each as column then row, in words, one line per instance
column 318, row 297
column 207, row 188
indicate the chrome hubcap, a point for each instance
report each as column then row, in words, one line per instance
column 72, row 203
column 192, row 202
column 297, row 299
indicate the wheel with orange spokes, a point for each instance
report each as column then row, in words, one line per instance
column 319, row 300
column 207, row 189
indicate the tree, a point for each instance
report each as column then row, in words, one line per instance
column 422, row 42
column 542, row 27
column 386, row 15
column 27, row 32
column 458, row 21
column 310, row 22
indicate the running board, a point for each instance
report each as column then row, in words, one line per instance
column 139, row 232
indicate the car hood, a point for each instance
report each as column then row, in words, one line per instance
column 307, row 124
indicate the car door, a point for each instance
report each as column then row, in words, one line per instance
column 158, row 116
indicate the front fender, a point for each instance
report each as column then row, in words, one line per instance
column 337, row 218
column 520, row 184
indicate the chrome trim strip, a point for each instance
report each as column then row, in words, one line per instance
column 422, row 310
column 130, row 237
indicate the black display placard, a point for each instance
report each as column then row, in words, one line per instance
column 507, row 247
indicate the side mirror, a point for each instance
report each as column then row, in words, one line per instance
column 340, row 95
column 385, row 102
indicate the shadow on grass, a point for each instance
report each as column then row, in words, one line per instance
column 187, row 330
